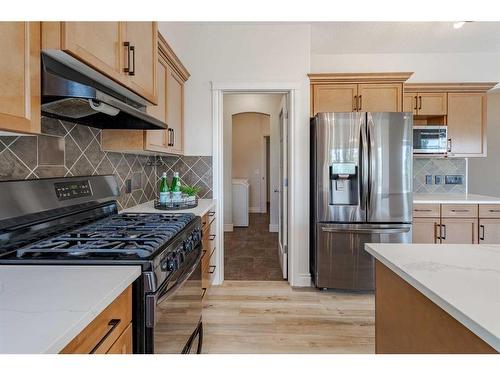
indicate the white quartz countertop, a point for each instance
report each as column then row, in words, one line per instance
column 42, row 308
column 464, row 280
column 454, row 199
column 204, row 205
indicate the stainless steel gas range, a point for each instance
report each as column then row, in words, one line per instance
column 75, row 221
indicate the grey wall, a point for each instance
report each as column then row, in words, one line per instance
column 66, row 149
column 484, row 173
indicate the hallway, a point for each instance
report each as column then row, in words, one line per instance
column 252, row 253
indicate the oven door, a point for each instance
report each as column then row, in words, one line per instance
column 177, row 313
column 430, row 139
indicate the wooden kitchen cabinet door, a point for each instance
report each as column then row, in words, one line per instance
column 377, row 97
column 432, row 103
column 467, row 124
column 142, row 61
column 175, row 109
column 410, row 103
column 334, row 98
column 425, row 230
column 20, row 80
column 123, row 345
column 98, row 44
column 459, row 231
column 489, row 231
column 156, row 140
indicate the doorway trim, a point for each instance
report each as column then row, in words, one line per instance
column 292, row 89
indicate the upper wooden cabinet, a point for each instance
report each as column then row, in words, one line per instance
column 348, row 92
column 171, row 76
column 124, row 51
column 426, row 103
column 20, row 77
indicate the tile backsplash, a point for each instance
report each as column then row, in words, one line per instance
column 66, row 149
column 433, row 167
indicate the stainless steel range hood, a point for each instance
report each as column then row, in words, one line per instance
column 74, row 92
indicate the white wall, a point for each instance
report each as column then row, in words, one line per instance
column 484, row 173
column 248, row 156
column 240, row 53
column 261, row 103
column 428, row 67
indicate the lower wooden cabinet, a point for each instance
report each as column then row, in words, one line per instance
column 456, row 223
column 208, row 260
column 110, row 332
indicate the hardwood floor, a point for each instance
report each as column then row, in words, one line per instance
column 272, row 317
column 251, row 253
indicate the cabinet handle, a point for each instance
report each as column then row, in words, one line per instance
column 443, row 236
column 213, row 269
column 132, row 72
column 203, row 254
column 437, row 231
column 173, row 137
column 416, row 103
column 211, row 213
column 127, row 46
column 204, row 291
column 211, row 237
column 420, row 105
column 360, row 102
column 481, row 232
column 492, row 210
column 355, row 108
column 449, row 144
column 113, row 323
column 422, row 210
column 464, row 210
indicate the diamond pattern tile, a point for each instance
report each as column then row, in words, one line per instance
column 423, row 166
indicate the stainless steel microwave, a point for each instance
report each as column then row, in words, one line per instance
column 430, row 139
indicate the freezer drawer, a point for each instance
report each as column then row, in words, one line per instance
column 341, row 261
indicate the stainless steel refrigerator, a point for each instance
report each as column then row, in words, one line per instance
column 361, row 192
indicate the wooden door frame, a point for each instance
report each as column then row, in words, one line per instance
column 292, row 90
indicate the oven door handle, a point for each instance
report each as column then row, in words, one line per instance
column 180, row 281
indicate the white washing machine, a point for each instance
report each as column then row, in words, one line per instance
column 240, row 202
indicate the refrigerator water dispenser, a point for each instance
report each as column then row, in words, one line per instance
column 344, row 184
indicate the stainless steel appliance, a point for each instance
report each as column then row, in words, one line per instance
column 361, row 191
column 430, row 139
column 75, row 92
column 75, row 221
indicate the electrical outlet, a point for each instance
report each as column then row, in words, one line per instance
column 438, row 179
column 428, row 179
column 128, row 186
column 454, row 179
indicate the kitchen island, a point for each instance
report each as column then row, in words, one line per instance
column 436, row 298
column 43, row 308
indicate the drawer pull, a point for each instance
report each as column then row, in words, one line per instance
column 460, row 210
column 211, row 213
column 494, row 210
column 204, row 291
column 211, row 237
column 211, row 269
column 422, row 210
column 113, row 323
column 481, row 232
column 437, row 231
column 203, row 254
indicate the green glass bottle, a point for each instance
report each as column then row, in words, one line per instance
column 164, row 190
column 175, row 187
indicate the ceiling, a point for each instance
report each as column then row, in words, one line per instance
column 404, row 37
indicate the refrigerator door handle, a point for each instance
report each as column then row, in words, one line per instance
column 388, row 230
column 368, row 163
column 364, row 167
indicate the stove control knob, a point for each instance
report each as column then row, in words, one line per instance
column 168, row 264
column 188, row 245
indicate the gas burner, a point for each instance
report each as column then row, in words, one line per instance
column 123, row 235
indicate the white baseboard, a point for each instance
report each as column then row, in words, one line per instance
column 274, row 227
column 303, row 280
column 228, row 227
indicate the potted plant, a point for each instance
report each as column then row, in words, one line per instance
column 190, row 192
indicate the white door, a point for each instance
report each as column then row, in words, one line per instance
column 283, row 192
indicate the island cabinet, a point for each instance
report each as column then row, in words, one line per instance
column 20, row 77
column 171, row 76
column 124, row 51
column 456, row 223
column 460, row 106
column 109, row 333
column 357, row 92
column 208, row 260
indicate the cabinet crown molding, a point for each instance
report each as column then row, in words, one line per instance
column 169, row 54
column 450, row 87
column 399, row 77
